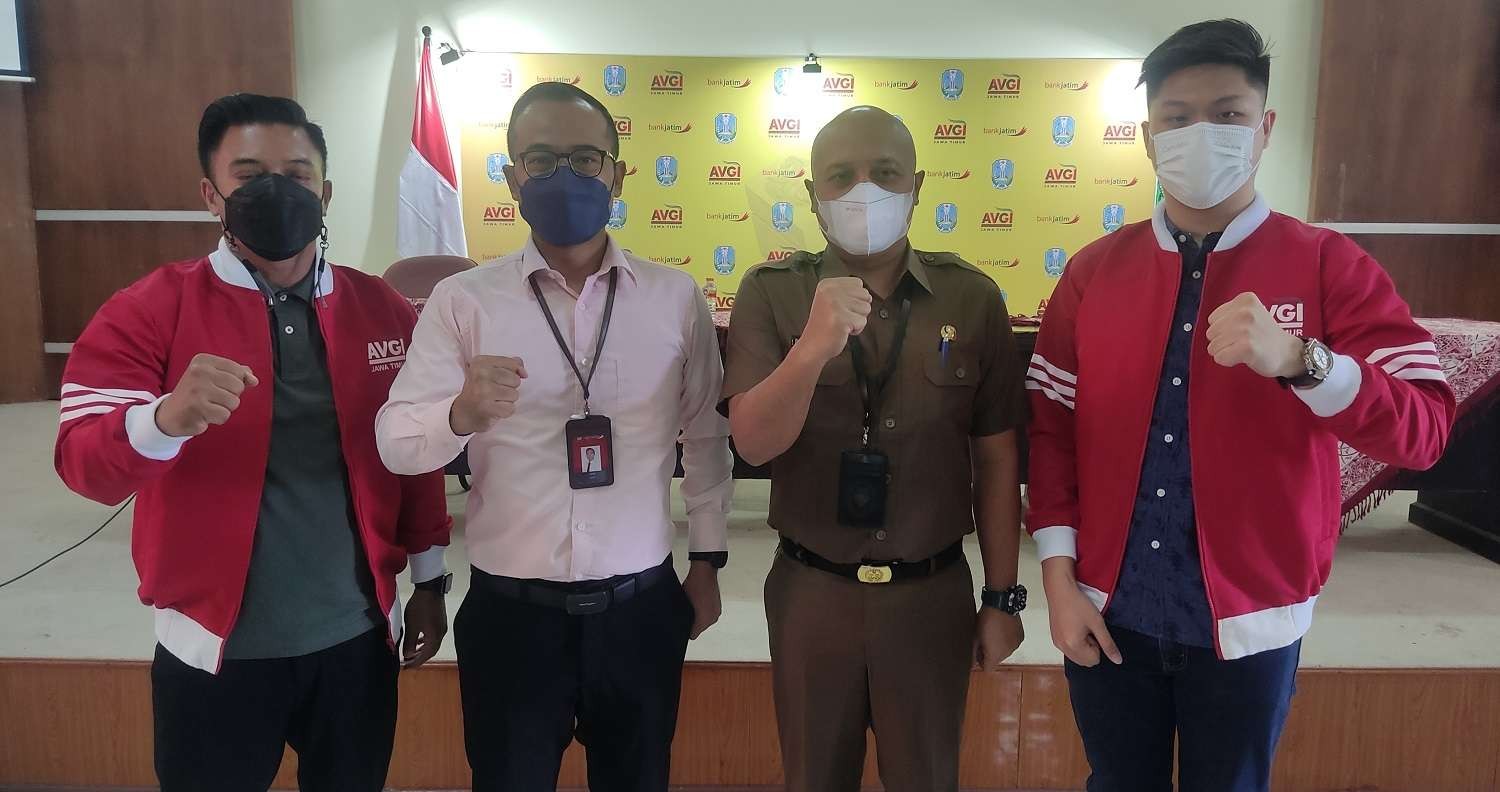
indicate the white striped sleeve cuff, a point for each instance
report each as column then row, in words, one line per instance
column 1334, row 394
column 146, row 438
column 1054, row 541
column 1054, row 383
column 427, row 564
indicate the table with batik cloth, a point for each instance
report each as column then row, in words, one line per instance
column 1470, row 355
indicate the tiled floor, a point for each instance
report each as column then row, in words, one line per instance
column 1399, row 597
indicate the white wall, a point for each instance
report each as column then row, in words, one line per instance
column 356, row 70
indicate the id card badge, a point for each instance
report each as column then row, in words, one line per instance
column 591, row 458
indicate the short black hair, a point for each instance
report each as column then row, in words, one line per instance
column 559, row 92
column 1223, row 41
column 243, row 109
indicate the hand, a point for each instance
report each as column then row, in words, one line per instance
column 840, row 308
column 1242, row 331
column 1078, row 629
column 426, row 625
column 702, row 589
column 490, row 391
column 207, row 394
column 996, row 637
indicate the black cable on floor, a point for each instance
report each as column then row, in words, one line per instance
column 76, row 545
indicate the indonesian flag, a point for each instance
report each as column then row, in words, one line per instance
column 429, row 219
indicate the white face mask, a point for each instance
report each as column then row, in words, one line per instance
column 1203, row 164
column 867, row 219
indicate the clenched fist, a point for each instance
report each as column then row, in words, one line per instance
column 1242, row 331
column 841, row 307
column 491, row 387
column 208, row 393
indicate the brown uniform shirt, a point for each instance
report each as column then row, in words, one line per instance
column 927, row 413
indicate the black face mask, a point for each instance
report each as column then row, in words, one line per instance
column 273, row 216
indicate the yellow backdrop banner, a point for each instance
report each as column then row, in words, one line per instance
column 1027, row 160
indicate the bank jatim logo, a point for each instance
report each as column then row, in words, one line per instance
column 569, row 79
column 667, row 82
column 1061, row 176
column 669, row 216
column 951, row 131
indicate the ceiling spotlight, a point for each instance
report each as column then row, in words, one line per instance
column 811, row 65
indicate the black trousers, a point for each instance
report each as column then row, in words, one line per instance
column 1225, row 716
column 228, row 733
column 534, row 677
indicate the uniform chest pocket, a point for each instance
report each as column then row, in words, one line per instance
column 951, row 385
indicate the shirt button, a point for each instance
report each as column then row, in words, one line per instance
column 960, row 373
column 583, row 361
column 880, row 535
column 885, row 313
column 1197, row 274
column 1168, row 438
column 283, row 297
column 288, row 330
column 1187, row 328
column 1182, row 238
column 1155, row 545
column 890, row 423
column 1161, row 493
column 1177, row 381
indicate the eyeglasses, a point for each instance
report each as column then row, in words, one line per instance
column 585, row 162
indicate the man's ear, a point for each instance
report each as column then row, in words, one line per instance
column 619, row 187
column 916, row 190
column 327, row 194
column 812, row 197
column 211, row 198
column 1150, row 144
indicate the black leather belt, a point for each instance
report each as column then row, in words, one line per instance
column 578, row 599
column 875, row 572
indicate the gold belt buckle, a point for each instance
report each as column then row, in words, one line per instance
column 874, row 574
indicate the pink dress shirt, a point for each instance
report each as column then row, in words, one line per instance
column 658, row 381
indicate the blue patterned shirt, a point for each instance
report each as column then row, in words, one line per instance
column 1160, row 591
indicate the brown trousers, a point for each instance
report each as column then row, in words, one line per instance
column 847, row 657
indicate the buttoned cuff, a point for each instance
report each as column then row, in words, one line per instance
column 1056, row 540
column 427, row 565
column 437, row 426
column 146, row 437
column 708, row 533
column 1334, row 394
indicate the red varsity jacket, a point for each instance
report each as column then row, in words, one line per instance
column 199, row 498
column 1265, row 467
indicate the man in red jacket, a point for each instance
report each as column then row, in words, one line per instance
column 236, row 394
column 1180, row 590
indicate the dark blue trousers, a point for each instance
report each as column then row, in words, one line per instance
column 1225, row 715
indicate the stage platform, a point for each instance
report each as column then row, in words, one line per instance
column 1400, row 688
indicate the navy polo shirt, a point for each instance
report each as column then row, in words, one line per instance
column 1160, row 591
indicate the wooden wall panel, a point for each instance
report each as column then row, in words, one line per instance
column 1408, row 105
column 22, row 375
column 1455, row 276
column 83, row 263
column 1402, row 730
column 122, row 84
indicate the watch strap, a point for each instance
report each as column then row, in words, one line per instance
column 441, row 584
column 718, row 559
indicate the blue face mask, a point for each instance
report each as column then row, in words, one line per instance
column 565, row 209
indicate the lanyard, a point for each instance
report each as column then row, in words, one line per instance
column 870, row 391
column 609, row 309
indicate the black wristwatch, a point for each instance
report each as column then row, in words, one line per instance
column 440, row 585
column 1011, row 600
column 1317, row 362
column 719, row 559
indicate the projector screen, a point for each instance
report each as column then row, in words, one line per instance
column 12, row 49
